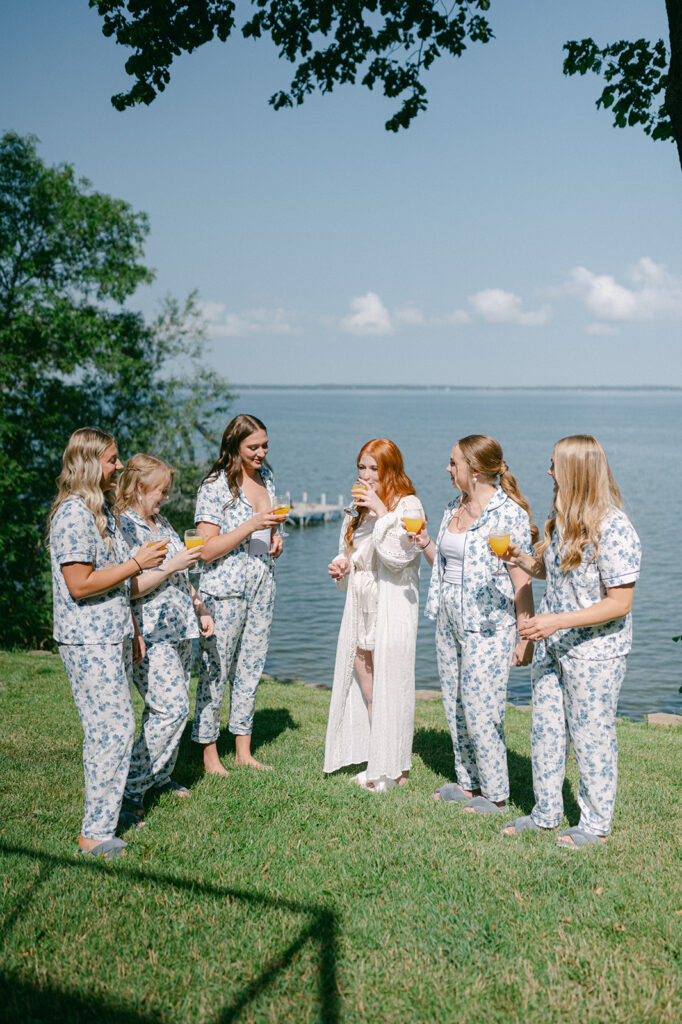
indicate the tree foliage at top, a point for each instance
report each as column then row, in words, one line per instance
column 391, row 42
column 72, row 354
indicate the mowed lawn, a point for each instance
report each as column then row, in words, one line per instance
column 288, row 896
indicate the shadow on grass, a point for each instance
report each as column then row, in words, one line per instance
column 267, row 726
column 40, row 1002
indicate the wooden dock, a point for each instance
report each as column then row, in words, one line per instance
column 305, row 513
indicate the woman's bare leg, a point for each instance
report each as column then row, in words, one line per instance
column 364, row 670
column 244, row 756
column 212, row 763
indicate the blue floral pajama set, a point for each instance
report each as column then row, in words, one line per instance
column 239, row 592
column 577, row 675
column 95, row 642
column 475, row 640
column 168, row 623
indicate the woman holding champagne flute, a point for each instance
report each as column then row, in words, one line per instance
column 238, row 514
column 170, row 615
column 93, row 625
column 477, row 603
column 590, row 557
column 371, row 717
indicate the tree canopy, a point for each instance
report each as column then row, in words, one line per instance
column 72, row 354
column 391, row 43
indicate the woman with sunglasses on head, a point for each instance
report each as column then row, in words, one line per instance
column 590, row 558
column 371, row 717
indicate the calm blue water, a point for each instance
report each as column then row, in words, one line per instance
column 315, row 436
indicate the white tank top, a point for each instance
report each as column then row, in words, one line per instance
column 452, row 550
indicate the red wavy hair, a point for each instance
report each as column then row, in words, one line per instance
column 394, row 483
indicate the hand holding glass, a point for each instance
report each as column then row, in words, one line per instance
column 358, row 490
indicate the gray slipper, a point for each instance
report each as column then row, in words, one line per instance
column 110, row 849
column 521, row 825
column 482, row 805
column 579, row 836
column 128, row 819
column 451, row 792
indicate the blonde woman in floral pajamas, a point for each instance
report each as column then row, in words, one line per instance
column 170, row 615
column 234, row 512
column 590, row 557
column 477, row 603
column 93, row 625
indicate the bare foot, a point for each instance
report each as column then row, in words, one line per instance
column 212, row 763
column 251, row 762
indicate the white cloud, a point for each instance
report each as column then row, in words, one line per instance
column 458, row 316
column 656, row 294
column 369, row 316
column 410, row 315
column 499, row 307
column 222, row 324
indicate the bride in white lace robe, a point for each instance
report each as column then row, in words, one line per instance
column 380, row 574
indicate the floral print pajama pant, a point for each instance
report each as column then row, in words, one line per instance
column 237, row 650
column 473, row 670
column 162, row 679
column 575, row 700
column 100, row 676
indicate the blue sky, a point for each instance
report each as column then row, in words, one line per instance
column 510, row 237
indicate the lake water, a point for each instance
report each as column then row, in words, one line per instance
column 316, row 434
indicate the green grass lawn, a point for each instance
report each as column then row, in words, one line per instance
column 288, row 896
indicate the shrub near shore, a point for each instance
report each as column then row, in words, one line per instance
column 291, row 896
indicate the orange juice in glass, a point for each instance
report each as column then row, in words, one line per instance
column 194, row 539
column 281, row 506
column 499, row 542
column 413, row 520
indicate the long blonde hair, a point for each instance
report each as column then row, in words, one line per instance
column 483, row 455
column 585, row 492
column 81, row 476
column 139, row 469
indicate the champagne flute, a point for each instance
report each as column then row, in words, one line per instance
column 281, row 507
column 499, row 542
column 413, row 520
column 195, row 539
column 358, row 490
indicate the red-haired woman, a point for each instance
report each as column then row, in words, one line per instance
column 371, row 717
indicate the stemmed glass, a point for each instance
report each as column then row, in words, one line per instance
column 499, row 542
column 195, row 539
column 281, row 507
column 413, row 520
column 358, row 490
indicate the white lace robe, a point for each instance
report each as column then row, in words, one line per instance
column 387, row 745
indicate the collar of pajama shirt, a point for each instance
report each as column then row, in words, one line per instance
column 167, row 613
column 487, row 596
column 74, row 537
column 226, row 577
column 617, row 563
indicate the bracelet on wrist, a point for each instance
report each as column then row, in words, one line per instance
column 139, row 567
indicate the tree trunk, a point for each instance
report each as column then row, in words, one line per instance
column 673, row 94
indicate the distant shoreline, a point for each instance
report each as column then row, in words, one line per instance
column 593, row 389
